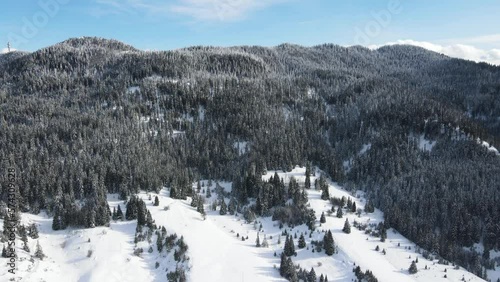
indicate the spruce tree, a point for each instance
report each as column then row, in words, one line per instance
column 289, row 248
column 149, row 220
column 58, row 220
column 322, row 219
column 39, row 252
column 347, row 227
column 325, row 193
column 340, row 214
column 113, row 214
column 141, row 213
column 33, row 231
column 283, row 265
column 291, row 274
column 4, row 252
column 119, row 213
column 369, row 208
column 159, row 242
column 198, row 187
column 311, row 277
column 157, row 201
column 257, row 241
column 329, row 243
column 302, row 241
column 231, row 208
column 413, row 268
column 223, row 207
column 201, row 207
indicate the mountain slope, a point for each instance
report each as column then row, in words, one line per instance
column 91, row 116
column 216, row 252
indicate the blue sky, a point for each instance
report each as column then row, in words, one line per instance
column 171, row 24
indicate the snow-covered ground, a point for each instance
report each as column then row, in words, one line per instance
column 216, row 251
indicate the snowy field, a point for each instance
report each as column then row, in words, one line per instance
column 216, row 251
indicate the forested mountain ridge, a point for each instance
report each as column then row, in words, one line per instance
column 90, row 116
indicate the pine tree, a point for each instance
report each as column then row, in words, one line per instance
column 113, row 214
column 200, row 207
column 321, row 278
column 311, row 277
column 198, row 187
column 283, row 265
column 33, row 231
column 308, row 177
column 257, row 241
column 174, row 193
column 231, row 208
column 4, row 252
column 322, row 219
column 325, row 193
column 265, row 243
column 141, row 213
column 131, row 209
column 383, row 232
column 119, row 213
column 58, row 220
column 307, row 183
column 349, row 204
column 159, row 242
column 340, row 214
column 289, row 248
column 302, row 241
column 353, row 208
column 369, row 208
column 149, row 220
column 157, row 201
column 39, row 252
column 347, row 227
column 223, row 207
column 413, row 268
column 329, row 243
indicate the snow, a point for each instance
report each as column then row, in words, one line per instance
column 489, row 147
column 241, row 147
column 215, row 251
column 311, row 92
column 176, row 133
column 67, row 250
column 201, row 113
column 358, row 248
column 133, row 89
column 425, row 145
column 365, row 148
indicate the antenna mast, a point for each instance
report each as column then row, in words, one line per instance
column 8, row 47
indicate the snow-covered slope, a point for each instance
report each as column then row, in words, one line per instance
column 216, row 249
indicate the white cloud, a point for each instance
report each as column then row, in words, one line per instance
column 5, row 50
column 462, row 51
column 476, row 40
column 200, row 10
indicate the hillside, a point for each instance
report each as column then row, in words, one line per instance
column 404, row 126
column 217, row 239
